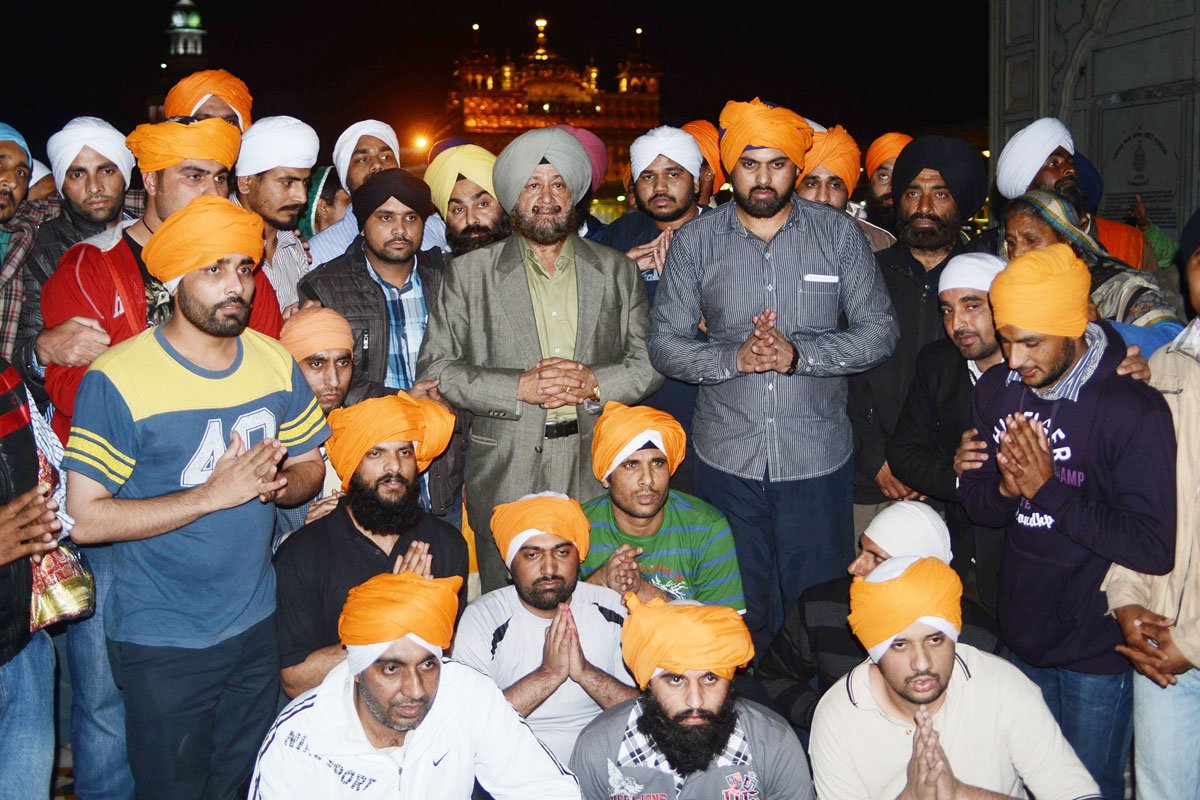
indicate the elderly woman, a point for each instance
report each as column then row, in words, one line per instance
column 1135, row 301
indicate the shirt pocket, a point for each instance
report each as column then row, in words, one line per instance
column 817, row 303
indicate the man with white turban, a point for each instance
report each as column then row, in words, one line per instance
column 396, row 718
column 1042, row 156
column 815, row 642
column 929, row 715
column 532, row 334
column 273, row 168
column 460, row 185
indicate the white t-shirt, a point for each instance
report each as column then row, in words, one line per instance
column 994, row 727
column 501, row 638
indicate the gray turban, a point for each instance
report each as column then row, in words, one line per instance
column 517, row 162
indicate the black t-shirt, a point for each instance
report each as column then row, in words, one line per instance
column 318, row 565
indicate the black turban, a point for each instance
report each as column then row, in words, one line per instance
column 398, row 183
column 962, row 168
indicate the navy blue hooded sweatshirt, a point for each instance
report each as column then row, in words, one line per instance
column 1112, row 499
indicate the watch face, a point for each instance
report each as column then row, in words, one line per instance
column 591, row 406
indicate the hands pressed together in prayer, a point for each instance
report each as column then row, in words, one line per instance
column 929, row 774
column 1024, row 459
column 562, row 655
column 765, row 349
column 556, row 382
column 622, row 573
column 1149, row 644
column 652, row 254
column 241, row 475
column 416, row 559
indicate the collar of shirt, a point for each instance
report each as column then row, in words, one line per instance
column 858, row 688
column 735, row 224
column 1070, row 384
column 413, row 282
column 562, row 263
column 637, row 750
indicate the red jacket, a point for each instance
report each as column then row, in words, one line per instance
column 1121, row 240
column 86, row 285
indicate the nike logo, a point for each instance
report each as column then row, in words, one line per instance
column 439, row 760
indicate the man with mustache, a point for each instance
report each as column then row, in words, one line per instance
column 830, row 174
column 385, row 287
column 378, row 448
column 938, row 183
column 550, row 642
column 878, row 165
column 460, row 183
column 273, row 170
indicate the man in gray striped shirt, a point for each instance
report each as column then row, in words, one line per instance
column 792, row 302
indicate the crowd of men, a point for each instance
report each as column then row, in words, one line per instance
column 428, row 483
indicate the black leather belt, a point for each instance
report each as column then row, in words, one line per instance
column 557, row 430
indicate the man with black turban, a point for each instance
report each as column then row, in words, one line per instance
column 938, row 183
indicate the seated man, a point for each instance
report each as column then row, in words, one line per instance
column 688, row 734
column 378, row 448
column 552, row 644
column 815, row 641
column 395, row 719
column 927, row 717
column 645, row 537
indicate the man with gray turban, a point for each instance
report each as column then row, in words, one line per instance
column 532, row 335
column 273, row 169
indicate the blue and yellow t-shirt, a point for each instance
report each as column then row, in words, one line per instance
column 148, row 422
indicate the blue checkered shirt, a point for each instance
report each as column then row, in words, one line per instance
column 408, row 317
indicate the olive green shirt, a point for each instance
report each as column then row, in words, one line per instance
column 555, row 309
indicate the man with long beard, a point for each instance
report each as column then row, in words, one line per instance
column 378, row 448
column 460, row 185
column 688, row 734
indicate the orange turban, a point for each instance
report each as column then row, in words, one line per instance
column 515, row 523
column 167, row 143
column 203, row 232
column 395, row 418
column 1045, row 291
column 621, row 430
column 756, row 124
column 837, row 152
column 194, row 90
column 899, row 592
column 710, row 145
column 659, row 635
column 314, row 330
column 390, row 607
column 887, row 146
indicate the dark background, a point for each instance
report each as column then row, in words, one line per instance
column 911, row 67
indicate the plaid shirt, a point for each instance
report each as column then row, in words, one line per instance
column 16, row 240
column 408, row 317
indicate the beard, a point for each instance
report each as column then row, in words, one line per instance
column 688, row 748
column 209, row 319
column 547, row 598
column 762, row 209
column 549, row 227
column 980, row 350
column 1058, row 368
column 881, row 213
column 100, row 216
column 379, row 514
column 670, row 214
column 1072, row 192
column 286, row 218
column 380, row 711
column 474, row 237
column 941, row 235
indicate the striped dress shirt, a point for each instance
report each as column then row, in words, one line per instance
column 820, row 277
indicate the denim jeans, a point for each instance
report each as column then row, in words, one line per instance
column 27, row 721
column 1166, row 729
column 1095, row 713
column 101, row 766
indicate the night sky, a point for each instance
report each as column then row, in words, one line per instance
column 334, row 62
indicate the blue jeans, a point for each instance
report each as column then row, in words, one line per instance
column 27, row 721
column 1166, row 727
column 101, row 766
column 789, row 535
column 1095, row 713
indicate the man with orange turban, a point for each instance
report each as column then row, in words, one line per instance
column 881, row 157
column 928, row 716
column 1080, row 468
column 177, row 457
column 772, row 372
column 688, row 734
column 648, row 538
column 830, row 175
column 553, row 645
column 104, row 278
column 349, row 736
column 211, row 93
column 378, row 448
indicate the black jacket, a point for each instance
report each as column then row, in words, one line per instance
column 876, row 396
column 344, row 285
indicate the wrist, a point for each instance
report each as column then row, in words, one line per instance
column 39, row 350
column 795, row 361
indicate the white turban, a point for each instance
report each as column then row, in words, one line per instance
column 910, row 528
column 1025, row 153
column 890, row 570
column 91, row 132
column 348, row 141
column 361, row 656
column 37, row 171
column 277, row 142
column 970, row 271
column 677, row 145
column 816, row 126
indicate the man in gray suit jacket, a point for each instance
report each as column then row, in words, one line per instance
column 532, row 334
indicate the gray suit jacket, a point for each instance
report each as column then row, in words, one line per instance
column 482, row 336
